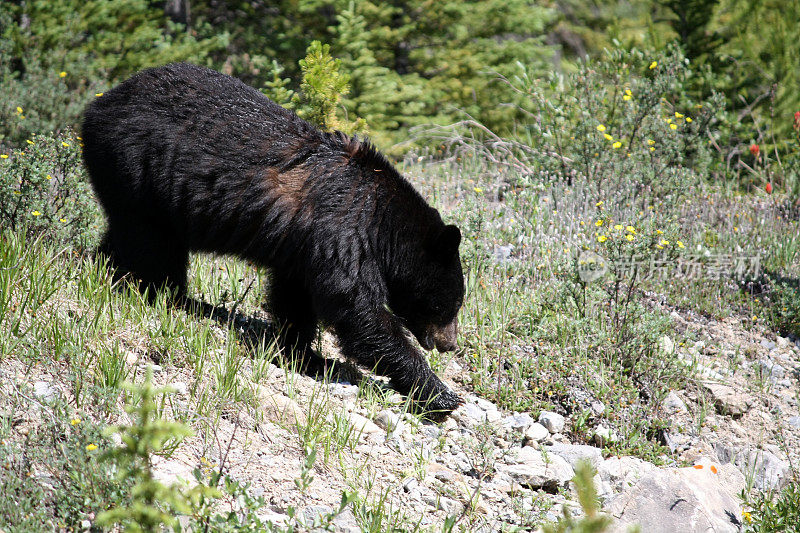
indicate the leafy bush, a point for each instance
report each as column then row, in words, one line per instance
column 44, row 191
column 54, row 56
column 774, row 512
column 54, row 480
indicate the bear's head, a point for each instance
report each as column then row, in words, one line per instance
column 429, row 290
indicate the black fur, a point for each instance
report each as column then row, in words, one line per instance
column 185, row 159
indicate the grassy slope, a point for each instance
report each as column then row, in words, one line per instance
column 533, row 337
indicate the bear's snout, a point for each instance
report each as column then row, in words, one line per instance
column 445, row 337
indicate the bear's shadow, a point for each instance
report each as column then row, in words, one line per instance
column 255, row 332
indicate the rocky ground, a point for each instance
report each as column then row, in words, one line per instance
column 737, row 429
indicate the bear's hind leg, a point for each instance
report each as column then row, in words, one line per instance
column 148, row 255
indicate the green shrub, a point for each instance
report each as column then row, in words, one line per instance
column 774, row 512
column 44, row 191
column 53, row 480
column 54, row 56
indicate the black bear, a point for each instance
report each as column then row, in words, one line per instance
column 183, row 158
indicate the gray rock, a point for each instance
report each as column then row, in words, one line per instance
column 519, row 422
column 771, row 369
column 345, row 391
column 390, row 421
column 672, row 404
column 573, row 453
column 794, row 421
column 536, row 433
column 315, row 513
column 430, row 431
column 364, row 426
column 769, row 345
column 554, row 422
column 683, row 499
column 768, row 471
column 346, row 522
column 598, row 408
column 622, row 472
column 470, row 414
column 45, row 391
column 727, row 400
column 537, row 470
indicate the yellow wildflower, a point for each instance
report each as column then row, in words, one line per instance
column 748, row 517
column 678, row 115
column 477, row 190
column 91, row 447
column 62, row 219
column 598, row 204
column 28, row 141
column 658, row 230
column 98, row 94
column 19, row 110
column 65, row 145
column 600, row 127
column 629, row 237
column 651, row 142
column 653, row 65
column 626, row 97
column 679, row 243
column 36, row 213
column 599, row 223
column 608, row 137
column 62, row 74
column 673, row 126
column 75, row 421
column 628, row 92
column 664, row 242
column 602, row 238
column 617, row 226
column 49, row 177
column 631, row 229
column 652, row 149
column 616, row 144
column 688, row 119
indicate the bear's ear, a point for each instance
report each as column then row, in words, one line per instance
column 446, row 245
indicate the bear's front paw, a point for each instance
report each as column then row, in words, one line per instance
column 438, row 408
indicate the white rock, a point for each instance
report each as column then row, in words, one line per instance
column 364, row 425
column 45, row 391
column 536, row 470
column 677, row 499
column 621, row 472
column 345, row 391
column 666, row 344
column 573, row 453
column 598, row 408
column 604, row 434
column 519, row 422
column 554, row 422
column 536, row 433
column 180, row 388
column 727, row 400
column 390, row 421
